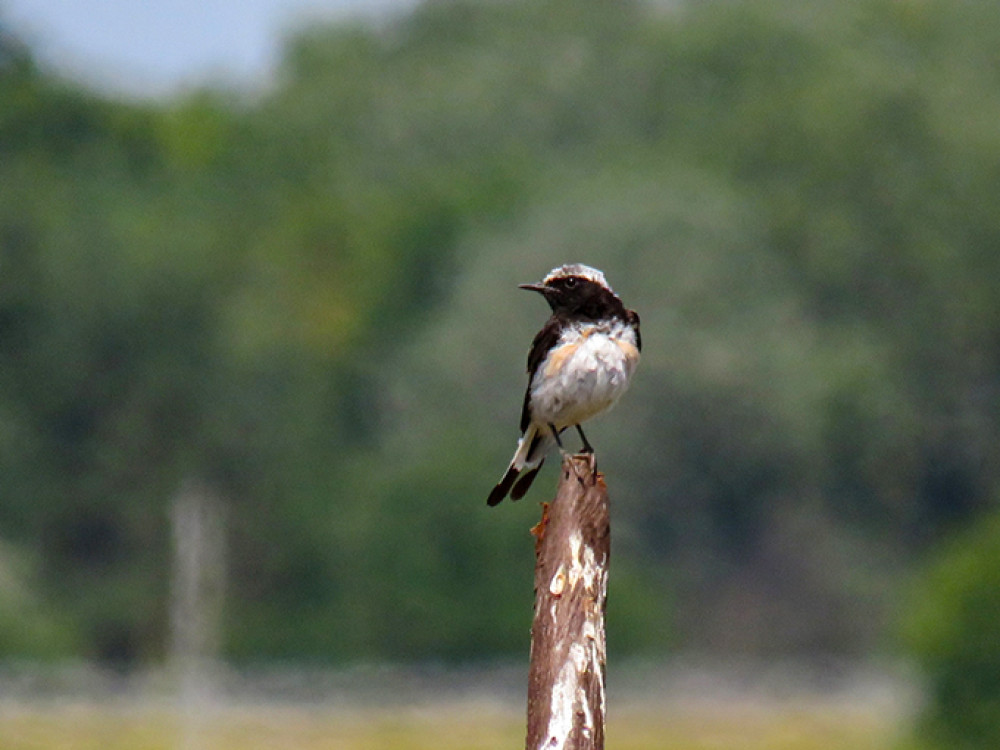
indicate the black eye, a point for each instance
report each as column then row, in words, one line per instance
column 570, row 282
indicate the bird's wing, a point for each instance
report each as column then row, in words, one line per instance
column 633, row 319
column 545, row 339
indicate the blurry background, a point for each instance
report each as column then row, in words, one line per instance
column 261, row 346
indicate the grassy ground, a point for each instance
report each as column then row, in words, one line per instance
column 469, row 726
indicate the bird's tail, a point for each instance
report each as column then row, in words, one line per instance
column 528, row 459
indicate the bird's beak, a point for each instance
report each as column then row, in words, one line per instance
column 541, row 288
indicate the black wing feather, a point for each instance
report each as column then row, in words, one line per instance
column 545, row 339
column 633, row 319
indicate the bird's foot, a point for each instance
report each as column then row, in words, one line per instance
column 587, row 447
column 585, row 475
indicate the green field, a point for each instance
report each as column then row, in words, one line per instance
column 471, row 726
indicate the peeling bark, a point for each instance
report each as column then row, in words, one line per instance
column 566, row 688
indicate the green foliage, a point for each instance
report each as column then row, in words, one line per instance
column 28, row 626
column 305, row 299
column 951, row 630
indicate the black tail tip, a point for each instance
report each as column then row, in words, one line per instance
column 496, row 496
column 503, row 487
column 524, row 483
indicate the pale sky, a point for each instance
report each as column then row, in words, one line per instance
column 151, row 47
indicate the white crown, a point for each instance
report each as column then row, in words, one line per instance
column 578, row 269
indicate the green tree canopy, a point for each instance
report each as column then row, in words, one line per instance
column 305, row 298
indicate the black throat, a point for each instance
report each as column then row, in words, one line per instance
column 586, row 300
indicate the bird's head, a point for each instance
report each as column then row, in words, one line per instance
column 574, row 289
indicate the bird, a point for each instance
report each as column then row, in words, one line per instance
column 579, row 364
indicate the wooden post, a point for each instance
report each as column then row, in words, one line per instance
column 566, row 689
column 196, row 602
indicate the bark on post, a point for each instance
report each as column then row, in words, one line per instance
column 566, row 688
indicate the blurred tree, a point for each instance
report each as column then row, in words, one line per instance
column 301, row 299
column 950, row 628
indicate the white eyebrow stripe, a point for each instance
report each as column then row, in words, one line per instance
column 577, row 269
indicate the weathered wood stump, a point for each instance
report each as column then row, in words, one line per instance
column 566, row 681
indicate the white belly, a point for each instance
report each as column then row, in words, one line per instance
column 584, row 374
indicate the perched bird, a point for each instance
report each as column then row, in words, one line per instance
column 579, row 364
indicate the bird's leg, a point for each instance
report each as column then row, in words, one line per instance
column 588, row 451
column 587, row 447
column 555, row 434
